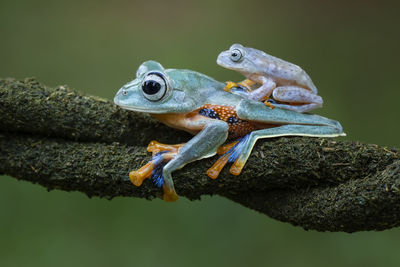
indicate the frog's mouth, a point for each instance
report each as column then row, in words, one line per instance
column 144, row 110
column 166, row 108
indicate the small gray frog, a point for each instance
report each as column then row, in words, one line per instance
column 267, row 76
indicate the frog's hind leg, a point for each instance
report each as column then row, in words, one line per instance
column 285, row 130
column 225, row 148
column 303, row 100
column 264, row 91
column 217, row 167
column 298, row 108
column 247, row 83
column 229, row 153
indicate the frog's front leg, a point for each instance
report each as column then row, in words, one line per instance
column 245, row 83
column 203, row 145
column 167, row 153
column 156, row 147
column 137, row 177
column 264, row 91
column 300, row 99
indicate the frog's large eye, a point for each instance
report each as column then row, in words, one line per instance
column 154, row 86
column 236, row 55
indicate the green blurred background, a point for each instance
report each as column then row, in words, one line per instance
column 349, row 48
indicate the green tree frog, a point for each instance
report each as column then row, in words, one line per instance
column 198, row 104
column 290, row 86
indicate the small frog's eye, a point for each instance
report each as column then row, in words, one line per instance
column 154, row 86
column 236, row 55
column 124, row 92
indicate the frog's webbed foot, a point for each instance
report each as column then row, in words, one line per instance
column 225, row 148
column 155, row 169
column 229, row 85
column 152, row 168
column 156, row 147
column 246, row 85
column 269, row 104
column 162, row 154
column 230, row 153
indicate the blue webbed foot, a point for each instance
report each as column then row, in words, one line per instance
column 230, row 153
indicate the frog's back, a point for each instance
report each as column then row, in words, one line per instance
column 281, row 71
column 206, row 89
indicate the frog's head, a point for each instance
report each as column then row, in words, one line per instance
column 238, row 58
column 153, row 91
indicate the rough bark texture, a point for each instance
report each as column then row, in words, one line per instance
column 63, row 139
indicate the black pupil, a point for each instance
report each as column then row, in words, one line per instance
column 234, row 55
column 151, row 87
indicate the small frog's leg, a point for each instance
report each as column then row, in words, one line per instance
column 264, row 91
column 302, row 100
column 203, row 145
column 299, row 108
column 247, row 83
column 285, row 130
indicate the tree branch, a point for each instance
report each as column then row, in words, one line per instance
column 65, row 140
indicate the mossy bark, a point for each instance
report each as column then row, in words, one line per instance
column 63, row 139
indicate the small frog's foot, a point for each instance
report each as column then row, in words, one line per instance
column 229, row 85
column 157, row 147
column 269, row 104
column 247, row 83
column 169, row 194
column 232, row 155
